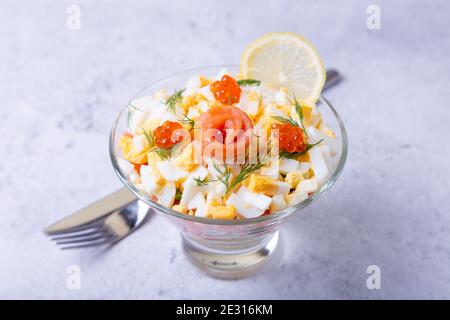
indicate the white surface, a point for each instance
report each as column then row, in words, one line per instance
column 60, row 91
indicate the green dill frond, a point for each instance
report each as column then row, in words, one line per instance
column 203, row 182
column 188, row 121
column 286, row 120
column 149, row 137
column 224, row 175
column 162, row 153
column 248, row 82
column 294, row 155
column 299, row 111
column 248, row 168
column 174, row 99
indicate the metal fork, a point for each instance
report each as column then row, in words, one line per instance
column 104, row 231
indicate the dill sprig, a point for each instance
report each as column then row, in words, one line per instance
column 298, row 109
column 294, row 155
column 174, row 99
column 289, row 120
column 224, row 175
column 149, row 137
column 248, row 82
column 203, row 182
column 247, row 169
column 164, row 154
column 188, row 121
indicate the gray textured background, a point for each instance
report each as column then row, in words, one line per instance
column 60, row 90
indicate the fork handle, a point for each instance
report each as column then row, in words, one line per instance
column 99, row 209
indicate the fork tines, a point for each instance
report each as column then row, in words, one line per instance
column 87, row 236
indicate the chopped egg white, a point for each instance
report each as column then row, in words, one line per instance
column 244, row 208
column 202, row 211
column 126, row 167
column 139, row 142
column 278, row 203
column 166, row 196
column 258, row 200
column 190, row 187
column 327, row 154
column 304, row 167
column 199, row 173
column 307, row 186
column 283, row 187
column 273, row 111
column 148, row 181
column 170, row 171
column 281, row 98
column 213, row 198
column 288, row 165
column 136, row 118
column 296, row 198
column 317, row 135
column 220, row 189
column 197, row 201
column 189, row 192
column 249, row 100
column 319, row 165
column 272, row 170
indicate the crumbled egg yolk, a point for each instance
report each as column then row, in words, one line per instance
column 204, row 81
column 304, row 158
column 190, row 101
column 129, row 151
column 309, row 174
column 262, row 184
column 185, row 160
column 180, row 208
column 222, row 212
column 216, row 202
column 294, row 178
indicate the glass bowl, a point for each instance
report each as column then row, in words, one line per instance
column 227, row 249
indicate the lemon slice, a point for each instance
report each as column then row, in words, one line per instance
column 284, row 59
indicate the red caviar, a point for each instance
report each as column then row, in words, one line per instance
column 227, row 90
column 291, row 138
column 165, row 136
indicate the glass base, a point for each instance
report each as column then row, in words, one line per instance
column 230, row 265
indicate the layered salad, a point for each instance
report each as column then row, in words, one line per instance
column 234, row 146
